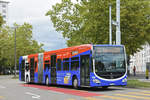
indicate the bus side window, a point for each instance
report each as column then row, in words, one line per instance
column 91, row 65
column 23, row 65
column 35, row 65
column 27, row 66
column 53, row 61
column 74, row 65
column 59, row 64
column 66, row 64
column 47, row 65
column 31, row 63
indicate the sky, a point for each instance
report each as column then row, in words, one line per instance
column 33, row 12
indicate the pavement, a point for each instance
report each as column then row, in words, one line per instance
column 13, row 89
column 139, row 76
column 6, row 76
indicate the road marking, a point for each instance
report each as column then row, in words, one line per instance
column 133, row 96
column 121, row 91
column 145, row 91
column 139, row 93
column 70, row 99
column 2, row 87
column 65, row 91
column 91, row 98
column 116, row 98
column 34, row 96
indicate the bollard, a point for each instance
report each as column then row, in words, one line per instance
column 147, row 72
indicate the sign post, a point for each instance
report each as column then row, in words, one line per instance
column 147, row 70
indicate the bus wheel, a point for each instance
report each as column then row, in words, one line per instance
column 104, row 87
column 75, row 83
column 47, row 81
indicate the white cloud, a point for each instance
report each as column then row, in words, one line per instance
column 29, row 9
column 33, row 12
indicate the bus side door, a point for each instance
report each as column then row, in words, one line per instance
column 40, row 68
column 53, row 69
column 85, row 70
column 31, row 69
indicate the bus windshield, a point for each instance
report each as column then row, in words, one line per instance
column 109, row 61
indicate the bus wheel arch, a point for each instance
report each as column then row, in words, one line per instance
column 75, row 81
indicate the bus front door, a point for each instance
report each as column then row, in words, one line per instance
column 53, row 69
column 85, row 70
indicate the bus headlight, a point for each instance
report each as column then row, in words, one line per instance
column 96, row 81
column 124, row 80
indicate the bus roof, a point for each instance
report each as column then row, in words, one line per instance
column 89, row 46
column 109, row 45
column 70, row 48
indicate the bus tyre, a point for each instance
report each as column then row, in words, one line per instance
column 75, row 83
column 47, row 81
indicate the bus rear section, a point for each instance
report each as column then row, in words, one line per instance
column 28, row 67
column 21, row 69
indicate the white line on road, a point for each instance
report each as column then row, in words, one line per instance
column 34, row 96
column 2, row 87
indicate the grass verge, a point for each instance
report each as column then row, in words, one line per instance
column 137, row 84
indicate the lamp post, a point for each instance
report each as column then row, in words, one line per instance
column 15, row 58
column 15, row 53
column 118, row 33
column 116, row 23
column 15, row 68
column 110, row 26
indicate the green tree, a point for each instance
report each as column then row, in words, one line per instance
column 87, row 21
column 1, row 20
column 5, row 47
column 25, row 44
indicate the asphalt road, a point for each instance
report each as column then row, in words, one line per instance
column 13, row 89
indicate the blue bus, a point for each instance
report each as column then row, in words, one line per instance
column 79, row 66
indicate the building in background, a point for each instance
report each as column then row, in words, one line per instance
column 140, row 59
column 4, row 10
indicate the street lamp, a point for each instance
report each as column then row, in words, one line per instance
column 15, row 52
column 110, row 26
column 116, row 23
column 15, row 68
column 118, row 33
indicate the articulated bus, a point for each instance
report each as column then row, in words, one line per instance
column 79, row 66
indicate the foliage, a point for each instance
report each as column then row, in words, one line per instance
column 24, row 43
column 1, row 20
column 87, row 21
